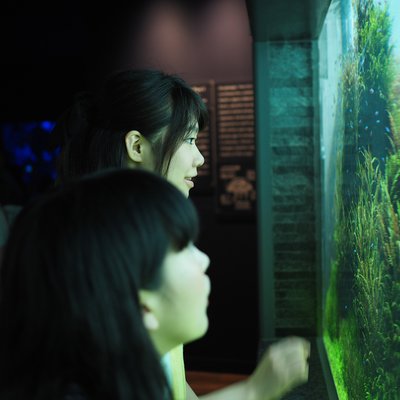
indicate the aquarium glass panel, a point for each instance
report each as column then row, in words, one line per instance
column 359, row 88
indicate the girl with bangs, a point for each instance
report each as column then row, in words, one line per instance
column 99, row 280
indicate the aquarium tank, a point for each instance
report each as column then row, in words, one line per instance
column 359, row 91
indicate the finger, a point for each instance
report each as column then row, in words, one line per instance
column 305, row 345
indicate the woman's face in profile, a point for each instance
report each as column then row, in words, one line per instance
column 185, row 162
column 180, row 304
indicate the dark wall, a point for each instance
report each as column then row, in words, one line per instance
column 48, row 52
column 43, row 59
column 51, row 52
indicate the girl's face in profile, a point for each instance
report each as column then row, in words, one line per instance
column 180, row 304
column 184, row 163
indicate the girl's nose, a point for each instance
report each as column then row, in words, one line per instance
column 204, row 260
column 199, row 159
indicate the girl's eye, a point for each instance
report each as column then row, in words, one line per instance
column 191, row 140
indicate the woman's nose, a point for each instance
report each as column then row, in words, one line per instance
column 205, row 261
column 199, row 159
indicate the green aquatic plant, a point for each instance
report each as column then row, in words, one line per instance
column 387, row 376
column 393, row 178
column 362, row 336
column 354, row 378
column 331, row 319
column 364, row 346
column 376, row 71
column 334, row 350
column 351, row 89
column 376, row 227
column 394, row 109
column 368, row 269
column 337, row 332
column 374, row 29
column 367, row 340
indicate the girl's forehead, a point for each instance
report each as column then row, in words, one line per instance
column 193, row 128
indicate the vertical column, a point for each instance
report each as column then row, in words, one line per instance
column 292, row 151
column 264, row 191
column 286, row 182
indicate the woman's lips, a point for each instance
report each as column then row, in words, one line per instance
column 189, row 182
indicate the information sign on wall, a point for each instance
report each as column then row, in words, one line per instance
column 236, row 178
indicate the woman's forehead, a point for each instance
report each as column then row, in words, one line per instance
column 193, row 128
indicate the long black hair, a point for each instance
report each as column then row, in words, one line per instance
column 73, row 265
column 162, row 107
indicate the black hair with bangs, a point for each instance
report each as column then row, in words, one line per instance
column 91, row 133
column 74, row 262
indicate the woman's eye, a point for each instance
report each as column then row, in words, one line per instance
column 191, row 140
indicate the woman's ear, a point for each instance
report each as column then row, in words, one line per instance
column 150, row 319
column 134, row 143
column 134, row 146
column 139, row 150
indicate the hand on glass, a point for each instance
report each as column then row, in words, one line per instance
column 283, row 366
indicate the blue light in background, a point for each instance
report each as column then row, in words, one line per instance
column 46, row 156
column 47, row 126
column 29, row 153
column 24, row 154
